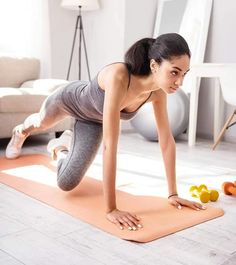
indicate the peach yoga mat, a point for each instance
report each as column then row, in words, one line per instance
column 35, row 176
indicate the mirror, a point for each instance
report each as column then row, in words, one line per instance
column 169, row 16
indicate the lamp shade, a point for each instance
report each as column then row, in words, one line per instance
column 86, row 5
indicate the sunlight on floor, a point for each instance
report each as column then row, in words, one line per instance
column 138, row 175
column 37, row 173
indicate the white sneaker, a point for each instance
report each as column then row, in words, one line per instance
column 61, row 143
column 14, row 147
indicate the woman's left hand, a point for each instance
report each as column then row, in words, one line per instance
column 179, row 202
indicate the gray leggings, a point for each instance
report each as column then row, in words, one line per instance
column 86, row 140
column 87, row 137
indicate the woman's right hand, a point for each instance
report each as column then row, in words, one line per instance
column 124, row 220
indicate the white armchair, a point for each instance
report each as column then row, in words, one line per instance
column 223, row 73
column 227, row 79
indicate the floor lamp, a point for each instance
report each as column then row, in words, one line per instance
column 80, row 5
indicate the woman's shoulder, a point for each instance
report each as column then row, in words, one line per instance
column 115, row 72
column 158, row 96
column 117, row 68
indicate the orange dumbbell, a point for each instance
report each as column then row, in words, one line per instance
column 229, row 188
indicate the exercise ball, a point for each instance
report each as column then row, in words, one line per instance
column 178, row 113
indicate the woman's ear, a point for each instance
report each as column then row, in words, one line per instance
column 153, row 65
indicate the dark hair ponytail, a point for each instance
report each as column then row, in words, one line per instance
column 137, row 57
column 162, row 48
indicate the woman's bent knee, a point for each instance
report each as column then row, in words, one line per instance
column 68, row 183
column 64, row 186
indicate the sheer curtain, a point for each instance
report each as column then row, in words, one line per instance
column 25, row 31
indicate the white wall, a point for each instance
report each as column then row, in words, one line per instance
column 109, row 32
column 104, row 36
column 62, row 24
column 25, row 31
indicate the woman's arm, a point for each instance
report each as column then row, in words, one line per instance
column 115, row 92
column 166, row 140
column 167, row 144
column 111, row 128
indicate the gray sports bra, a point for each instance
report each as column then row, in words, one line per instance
column 85, row 100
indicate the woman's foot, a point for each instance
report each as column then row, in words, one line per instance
column 14, row 147
column 60, row 144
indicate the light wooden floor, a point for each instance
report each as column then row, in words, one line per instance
column 33, row 233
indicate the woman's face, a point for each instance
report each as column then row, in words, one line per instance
column 169, row 74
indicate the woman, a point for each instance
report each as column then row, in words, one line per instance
column 153, row 69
